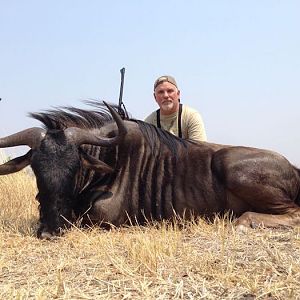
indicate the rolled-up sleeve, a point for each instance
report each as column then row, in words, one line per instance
column 196, row 129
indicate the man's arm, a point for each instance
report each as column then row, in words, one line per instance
column 196, row 129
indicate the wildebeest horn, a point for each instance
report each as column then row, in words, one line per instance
column 81, row 136
column 31, row 137
column 16, row 164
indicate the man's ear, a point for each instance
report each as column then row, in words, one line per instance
column 154, row 96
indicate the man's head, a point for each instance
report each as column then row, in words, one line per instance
column 167, row 94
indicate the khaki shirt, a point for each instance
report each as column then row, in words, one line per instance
column 192, row 125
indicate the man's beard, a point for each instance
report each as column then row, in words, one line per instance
column 167, row 106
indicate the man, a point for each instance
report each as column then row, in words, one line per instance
column 172, row 116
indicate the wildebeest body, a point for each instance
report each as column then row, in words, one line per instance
column 200, row 179
column 150, row 174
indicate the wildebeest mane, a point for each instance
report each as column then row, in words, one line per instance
column 155, row 136
column 60, row 118
column 69, row 116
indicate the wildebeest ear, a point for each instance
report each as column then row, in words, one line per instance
column 95, row 164
column 16, row 164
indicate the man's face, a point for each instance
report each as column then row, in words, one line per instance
column 167, row 97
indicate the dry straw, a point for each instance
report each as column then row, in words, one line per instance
column 181, row 260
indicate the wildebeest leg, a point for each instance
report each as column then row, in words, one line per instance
column 262, row 204
column 261, row 186
column 100, row 208
column 253, row 220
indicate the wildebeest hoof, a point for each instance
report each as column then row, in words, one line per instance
column 254, row 225
column 242, row 229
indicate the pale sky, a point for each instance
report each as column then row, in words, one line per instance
column 236, row 62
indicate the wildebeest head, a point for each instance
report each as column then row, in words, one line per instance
column 55, row 157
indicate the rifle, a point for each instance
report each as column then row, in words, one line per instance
column 122, row 112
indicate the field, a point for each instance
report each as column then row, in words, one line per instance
column 186, row 260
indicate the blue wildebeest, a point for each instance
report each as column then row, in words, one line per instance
column 86, row 165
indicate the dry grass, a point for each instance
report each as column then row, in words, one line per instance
column 189, row 260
